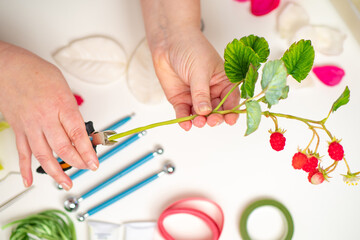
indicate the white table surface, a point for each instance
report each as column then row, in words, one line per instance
column 218, row 163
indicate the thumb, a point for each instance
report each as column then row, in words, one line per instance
column 200, row 93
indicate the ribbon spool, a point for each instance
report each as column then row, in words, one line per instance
column 206, row 210
column 266, row 202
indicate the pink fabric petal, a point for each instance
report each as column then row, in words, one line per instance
column 79, row 99
column 329, row 75
column 262, row 7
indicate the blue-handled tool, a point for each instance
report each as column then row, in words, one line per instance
column 109, row 153
column 168, row 168
column 72, row 203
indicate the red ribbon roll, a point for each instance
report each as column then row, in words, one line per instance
column 195, row 207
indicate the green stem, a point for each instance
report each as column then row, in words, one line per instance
column 249, row 99
column 312, row 138
column 188, row 118
column 333, row 164
column 140, row 129
column 226, row 96
column 325, row 129
column 305, row 120
column 331, row 170
column 347, row 165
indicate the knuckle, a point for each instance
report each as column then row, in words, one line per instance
column 76, row 134
column 63, row 150
column 201, row 94
column 23, row 157
column 42, row 158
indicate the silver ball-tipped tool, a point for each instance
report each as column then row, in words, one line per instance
column 72, row 204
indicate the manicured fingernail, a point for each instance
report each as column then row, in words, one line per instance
column 26, row 184
column 65, row 186
column 204, row 107
column 92, row 166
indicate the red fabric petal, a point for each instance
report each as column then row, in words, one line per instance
column 329, row 75
column 262, row 7
column 79, row 99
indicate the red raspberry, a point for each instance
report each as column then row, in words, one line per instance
column 298, row 160
column 336, row 151
column 311, row 164
column 277, row 141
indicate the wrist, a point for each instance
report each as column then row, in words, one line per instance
column 165, row 19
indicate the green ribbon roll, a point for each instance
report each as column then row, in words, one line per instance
column 266, row 202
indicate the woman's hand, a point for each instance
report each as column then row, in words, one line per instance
column 190, row 70
column 192, row 75
column 40, row 107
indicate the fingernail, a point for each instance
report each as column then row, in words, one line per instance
column 92, row 166
column 204, row 107
column 26, row 184
column 65, row 186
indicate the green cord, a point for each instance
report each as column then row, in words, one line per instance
column 266, row 202
column 50, row 225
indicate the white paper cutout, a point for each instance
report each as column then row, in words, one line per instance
column 141, row 77
column 326, row 40
column 291, row 18
column 96, row 59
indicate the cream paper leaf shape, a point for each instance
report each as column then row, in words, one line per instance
column 291, row 18
column 326, row 40
column 95, row 60
column 141, row 77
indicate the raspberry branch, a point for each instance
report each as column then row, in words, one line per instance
column 243, row 58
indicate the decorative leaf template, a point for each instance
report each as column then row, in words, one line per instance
column 141, row 77
column 96, row 59
column 291, row 18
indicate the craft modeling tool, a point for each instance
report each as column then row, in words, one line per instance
column 12, row 200
column 96, row 138
column 109, row 154
column 72, row 203
column 167, row 169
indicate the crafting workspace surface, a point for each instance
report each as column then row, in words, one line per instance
column 217, row 163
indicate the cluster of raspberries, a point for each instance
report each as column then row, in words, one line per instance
column 308, row 162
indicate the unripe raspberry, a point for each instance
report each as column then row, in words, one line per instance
column 317, row 178
column 299, row 160
column 277, row 141
column 336, row 151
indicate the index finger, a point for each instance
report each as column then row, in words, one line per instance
column 74, row 126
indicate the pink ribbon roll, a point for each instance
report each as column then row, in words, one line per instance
column 206, row 210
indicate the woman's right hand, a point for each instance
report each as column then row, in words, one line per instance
column 37, row 102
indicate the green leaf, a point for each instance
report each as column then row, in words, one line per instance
column 237, row 60
column 342, row 100
column 259, row 45
column 284, row 95
column 248, row 87
column 299, row 59
column 273, row 81
column 253, row 116
column 3, row 125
